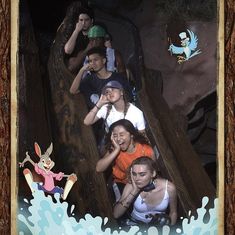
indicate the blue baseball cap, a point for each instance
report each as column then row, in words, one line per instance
column 112, row 84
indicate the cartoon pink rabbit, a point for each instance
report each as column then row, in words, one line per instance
column 43, row 167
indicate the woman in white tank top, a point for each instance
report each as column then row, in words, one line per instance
column 149, row 195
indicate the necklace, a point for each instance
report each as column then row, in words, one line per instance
column 144, row 198
column 132, row 148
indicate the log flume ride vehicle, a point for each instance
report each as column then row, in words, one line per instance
column 75, row 144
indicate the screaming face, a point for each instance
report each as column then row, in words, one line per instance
column 123, row 138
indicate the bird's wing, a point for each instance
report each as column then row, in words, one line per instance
column 176, row 50
column 193, row 40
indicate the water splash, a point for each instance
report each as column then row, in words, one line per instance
column 198, row 226
column 48, row 217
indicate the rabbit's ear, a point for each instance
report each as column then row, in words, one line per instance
column 49, row 150
column 37, row 149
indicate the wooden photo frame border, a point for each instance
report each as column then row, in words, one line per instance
column 8, row 121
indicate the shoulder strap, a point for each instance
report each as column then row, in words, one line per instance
column 109, row 107
column 166, row 185
column 104, row 126
column 126, row 109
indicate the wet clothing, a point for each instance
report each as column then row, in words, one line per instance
column 91, row 86
column 124, row 160
column 133, row 114
column 142, row 211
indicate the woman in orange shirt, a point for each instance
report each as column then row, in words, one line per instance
column 124, row 144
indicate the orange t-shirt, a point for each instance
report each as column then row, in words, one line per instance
column 124, row 160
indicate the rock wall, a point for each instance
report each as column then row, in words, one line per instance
column 183, row 84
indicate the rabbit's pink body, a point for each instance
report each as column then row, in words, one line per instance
column 48, row 177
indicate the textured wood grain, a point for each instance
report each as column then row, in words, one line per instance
column 4, row 116
column 187, row 173
column 71, row 135
column 229, row 116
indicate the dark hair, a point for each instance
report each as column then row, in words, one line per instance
column 73, row 11
column 126, row 105
column 97, row 50
column 143, row 160
column 108, row 37
column 86, row 10
column 128, row 126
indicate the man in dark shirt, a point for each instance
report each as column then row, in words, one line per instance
column 79, row 40
column 91, row 84
column 96, row 35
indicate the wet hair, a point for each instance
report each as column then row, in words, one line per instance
column 128, row 126
column 97, row 50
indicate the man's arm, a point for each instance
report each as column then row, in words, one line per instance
column 75, row 62
column 70, row 44
column 74, row 89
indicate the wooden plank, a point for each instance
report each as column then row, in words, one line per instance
column 229, row 66
column 186, row 160
column 166, row 160
column 75, row 143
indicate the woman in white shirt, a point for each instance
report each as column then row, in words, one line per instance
column 113, row 106
column 149, row 194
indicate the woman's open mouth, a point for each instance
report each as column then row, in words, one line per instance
column 122, row 146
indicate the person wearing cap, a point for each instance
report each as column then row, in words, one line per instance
column 92, row 84
column 113, row 106
column 96, row 35
column 78, row 40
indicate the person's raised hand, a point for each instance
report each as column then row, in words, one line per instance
column 87, row 67
column 79, row 26
column 134, row 186
column 102, row 101
column 115, row 143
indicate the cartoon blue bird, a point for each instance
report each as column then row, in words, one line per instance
column 188, row 46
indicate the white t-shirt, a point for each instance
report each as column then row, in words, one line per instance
column 134, row 115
